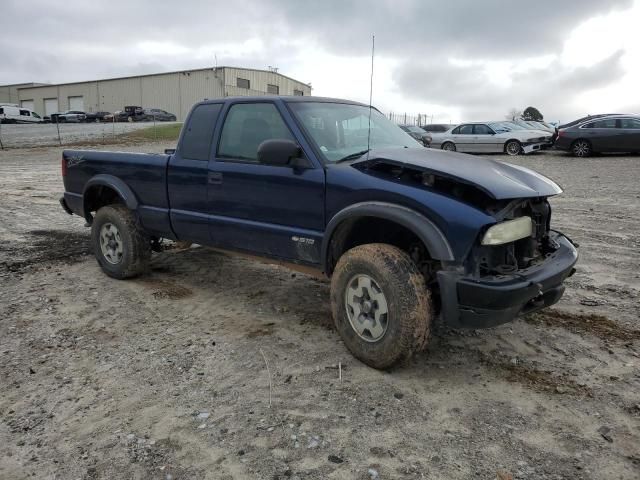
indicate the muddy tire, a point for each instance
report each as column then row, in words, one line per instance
column 381, row 306
column 119, row 244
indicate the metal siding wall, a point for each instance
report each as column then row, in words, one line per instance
column 161, row 91
column 38, row 94
column 117, row 94
column 88, row 92
column 258, row 82
column 196, row 86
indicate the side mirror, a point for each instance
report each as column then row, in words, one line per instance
column 169, row 151
column 278, row 152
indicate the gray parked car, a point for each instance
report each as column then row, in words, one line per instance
column 75, row 116
column 616, row 133
column 418, row 133
column 491, row 137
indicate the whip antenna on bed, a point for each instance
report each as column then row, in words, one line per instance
column 373, row 46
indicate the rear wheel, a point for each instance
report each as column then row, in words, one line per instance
column 120, row 246
column 449, row 146
column 581, row 148
column 380, row 304
column 512, row 148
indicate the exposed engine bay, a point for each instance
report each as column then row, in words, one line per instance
column 483, row 260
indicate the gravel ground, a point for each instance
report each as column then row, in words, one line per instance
column 46, row 134
column 165, row 377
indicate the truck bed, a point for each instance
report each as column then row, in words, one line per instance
column 142, row 173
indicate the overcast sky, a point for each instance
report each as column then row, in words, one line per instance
column 455, row 60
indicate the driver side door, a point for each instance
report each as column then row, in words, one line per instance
column 277, row 211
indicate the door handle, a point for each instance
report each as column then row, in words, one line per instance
column 215, row 178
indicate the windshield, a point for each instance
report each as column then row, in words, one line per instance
column 503, row 127
column 340, row 129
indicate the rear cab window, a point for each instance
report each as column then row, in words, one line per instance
column 196, row 140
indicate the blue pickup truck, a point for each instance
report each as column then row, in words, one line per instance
column 406, row 234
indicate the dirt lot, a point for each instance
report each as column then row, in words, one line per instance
column 164, row 377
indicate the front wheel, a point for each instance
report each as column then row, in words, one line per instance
column 120, row 246
column 513, row 148
column 380, row 304
column 581, row 148
column 449, row 146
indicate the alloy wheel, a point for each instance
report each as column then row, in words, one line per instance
column 111, row 243
column 367, row 308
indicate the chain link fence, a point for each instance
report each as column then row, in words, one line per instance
column 25, row 135
column 419, row 119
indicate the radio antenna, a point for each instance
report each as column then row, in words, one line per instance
column 373, row 47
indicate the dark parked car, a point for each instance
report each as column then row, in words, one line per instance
column 438, row 127
column 619, row 133
column 584, row 119
column 96, row 116
column 418, row 133
column 131, row 113
column 159, row 115
column 405, row 233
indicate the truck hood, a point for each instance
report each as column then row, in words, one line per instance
column 499, row 180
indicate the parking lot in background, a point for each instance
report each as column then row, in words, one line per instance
column 26, row 135
column 163, row 376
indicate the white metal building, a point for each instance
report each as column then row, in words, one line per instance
column 9, row 93
column 174, row 92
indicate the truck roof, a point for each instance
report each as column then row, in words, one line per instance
column 285, row 98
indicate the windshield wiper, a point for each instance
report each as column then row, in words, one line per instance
column 352, row 156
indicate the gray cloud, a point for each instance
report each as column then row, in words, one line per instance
column 468, row 28
column 551, row 89
column 78, row 39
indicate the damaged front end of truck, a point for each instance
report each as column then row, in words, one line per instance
column 517, row 263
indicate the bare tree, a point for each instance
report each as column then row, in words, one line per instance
column 513, row 114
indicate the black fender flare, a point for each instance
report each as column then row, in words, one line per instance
column 427, row 231
column 120, row 187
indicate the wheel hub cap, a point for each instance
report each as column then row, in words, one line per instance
column 111, row 243
column 367, row 308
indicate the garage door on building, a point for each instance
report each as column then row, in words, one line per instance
column 50, row 106
column 76, row 103
column 28, row 104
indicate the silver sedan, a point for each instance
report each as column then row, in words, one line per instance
column 491, row 137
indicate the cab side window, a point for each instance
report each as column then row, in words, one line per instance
column 482, row 130
column 246, row 126
column 465, row 130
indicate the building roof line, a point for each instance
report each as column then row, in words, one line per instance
column 213, row 69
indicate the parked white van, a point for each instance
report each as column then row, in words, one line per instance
column 11, row 113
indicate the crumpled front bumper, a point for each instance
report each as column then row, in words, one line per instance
column 534, row 147
column 469, row 302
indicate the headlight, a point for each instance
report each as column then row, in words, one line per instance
column 509, row 231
